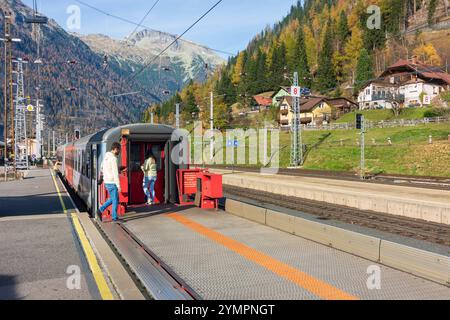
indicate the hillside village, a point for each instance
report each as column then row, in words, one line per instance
column 342, row 67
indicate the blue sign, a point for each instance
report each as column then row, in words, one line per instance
column 231, row 143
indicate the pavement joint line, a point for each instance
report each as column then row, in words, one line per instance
column 99, row 278
column 312, row 284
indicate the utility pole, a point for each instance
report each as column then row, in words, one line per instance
column 54, row 145
column 361, row 124
column 297, row 143
column 363, row 149
column 152, row 118
column 177, row 116
column 211, row 121
column 36, row 21
column 5, row 91
column 48, row 144
column 20, row 134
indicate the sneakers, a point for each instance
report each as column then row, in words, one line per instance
column 150, row 202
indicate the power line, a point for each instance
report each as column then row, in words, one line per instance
column 148, row 64
column 143, row 19
column 142, row 25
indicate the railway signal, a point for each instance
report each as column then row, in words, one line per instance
column 361, row 125
column 359, row 121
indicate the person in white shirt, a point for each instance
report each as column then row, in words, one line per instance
column 110, row 171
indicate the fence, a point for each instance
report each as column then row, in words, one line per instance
column 379, row 124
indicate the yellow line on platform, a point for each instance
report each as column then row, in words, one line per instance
column 99, row 278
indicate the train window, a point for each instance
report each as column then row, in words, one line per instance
column 88, row 164
column 157, row 151
column 135, row 157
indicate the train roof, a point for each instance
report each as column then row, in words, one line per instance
column 137, row 131
column 140, row 131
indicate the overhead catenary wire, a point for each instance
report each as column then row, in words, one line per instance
column 144, row 26
column 149, row 63
column 143, row 19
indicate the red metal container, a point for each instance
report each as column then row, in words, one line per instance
column 209, row 189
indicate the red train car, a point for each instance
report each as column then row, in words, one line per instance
column 81, row 162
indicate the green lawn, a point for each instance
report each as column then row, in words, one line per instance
column 410, row 152
column 384, row 115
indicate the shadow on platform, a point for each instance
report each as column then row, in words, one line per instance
column 29, row 205
column 143, row 212
column 8, row 288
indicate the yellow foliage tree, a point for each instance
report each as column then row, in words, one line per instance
column 427, row 54
column 352, row 50
column 311, row 48
column 238, row 69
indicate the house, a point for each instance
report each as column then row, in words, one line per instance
column 263, row 100
column 279, row 95
column 408, row 83
column 342, row 106
column 314, row 111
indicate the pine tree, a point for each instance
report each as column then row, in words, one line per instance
column 364, row 69
column 190, row 106
column 226, row 88
column 326, row 77
column 261, row 71
column 277, row 67
column 304, row 73
column 343, row 31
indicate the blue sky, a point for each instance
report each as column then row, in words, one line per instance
column 229, row 27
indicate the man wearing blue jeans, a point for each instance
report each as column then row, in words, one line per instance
column 110, row 171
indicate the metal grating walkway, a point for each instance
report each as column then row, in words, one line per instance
column 221, row 256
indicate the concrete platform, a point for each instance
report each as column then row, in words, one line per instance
column 38, row 245
column 419, row 203
column 222, row 256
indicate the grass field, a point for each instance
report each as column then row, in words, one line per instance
column 409, row 152
column 385, row 115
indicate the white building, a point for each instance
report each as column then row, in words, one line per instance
column 409, row 84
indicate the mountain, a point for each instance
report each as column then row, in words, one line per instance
column 186, row 60
column 81, row 95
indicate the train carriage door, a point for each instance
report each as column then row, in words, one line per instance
column 94, row 180
column 136, row 157
column 156, row 150
column 171, row 174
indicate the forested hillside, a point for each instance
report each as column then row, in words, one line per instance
column 73, row 94
column 330, row 44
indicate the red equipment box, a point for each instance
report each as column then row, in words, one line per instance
column 187, row 185
column 209, row 190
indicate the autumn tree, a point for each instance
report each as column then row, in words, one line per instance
column 352, row 51
column 426, row 53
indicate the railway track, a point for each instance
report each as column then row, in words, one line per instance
column 408, row 227
column 438, row 183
